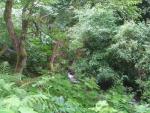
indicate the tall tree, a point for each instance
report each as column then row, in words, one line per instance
column 18, row 41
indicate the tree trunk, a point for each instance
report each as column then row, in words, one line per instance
column 55, row 54
column 21, row 58
column 18, row 42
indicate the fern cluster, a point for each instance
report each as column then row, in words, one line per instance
column 55, row 94
column 30, row 98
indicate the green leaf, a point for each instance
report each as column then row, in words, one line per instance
column 6, row 111
column 26, row 109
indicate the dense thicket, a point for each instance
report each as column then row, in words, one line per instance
column 74, row 56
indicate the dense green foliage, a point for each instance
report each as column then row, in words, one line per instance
column 74, row 56
column 56, row 94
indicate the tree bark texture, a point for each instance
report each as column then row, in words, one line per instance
column 55, row 54
column 18, row 41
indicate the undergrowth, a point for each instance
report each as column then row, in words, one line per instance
column 56, row 94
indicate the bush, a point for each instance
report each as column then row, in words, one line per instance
column 130, row 50
column 106, row 78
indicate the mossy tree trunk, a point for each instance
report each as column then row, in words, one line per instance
column 18, row 41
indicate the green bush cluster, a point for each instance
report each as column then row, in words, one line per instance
column 111, row 49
